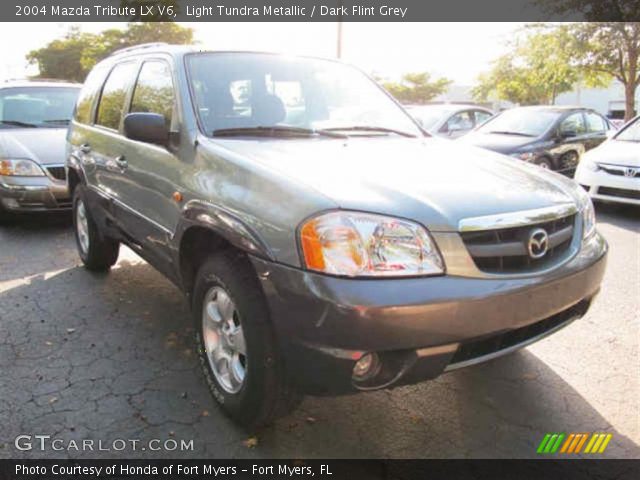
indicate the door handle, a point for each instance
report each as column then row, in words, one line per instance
column 85, row 148
column 121, row 161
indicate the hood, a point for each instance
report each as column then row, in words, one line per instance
column 498, row 142
column 43, row 145
column 616, row 152
column 433, row 181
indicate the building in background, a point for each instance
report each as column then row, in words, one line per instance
column 608, row 101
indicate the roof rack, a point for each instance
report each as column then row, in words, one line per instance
column 142, row 46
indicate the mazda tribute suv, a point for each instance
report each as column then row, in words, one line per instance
column 325, row 243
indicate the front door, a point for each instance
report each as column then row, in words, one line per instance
column 151, row 213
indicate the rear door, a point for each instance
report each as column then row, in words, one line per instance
column 107, row 143
column 152, row 172
column 597, row 128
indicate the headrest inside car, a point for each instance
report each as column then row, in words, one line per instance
column 267, row 110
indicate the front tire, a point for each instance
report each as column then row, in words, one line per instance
column 236, row 344
column 544, row 163
column 97, row 251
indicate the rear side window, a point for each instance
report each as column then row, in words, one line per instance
column 154, row 90
column 595, row 123
column 482, row 117
column 115, row 89
column 89, row 93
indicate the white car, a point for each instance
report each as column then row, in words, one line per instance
column 611, row 172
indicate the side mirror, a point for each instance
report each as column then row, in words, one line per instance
column 146, row 127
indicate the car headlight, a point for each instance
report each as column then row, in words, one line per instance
column 526, row 156
column 589, row 164
column 20, row 168
column 588, row 215
column 367, row 245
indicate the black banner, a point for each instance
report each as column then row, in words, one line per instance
column 319, row 469
column 317, row 10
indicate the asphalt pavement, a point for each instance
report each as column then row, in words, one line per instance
column 109, row 357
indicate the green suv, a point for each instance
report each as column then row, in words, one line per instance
column 325, row 243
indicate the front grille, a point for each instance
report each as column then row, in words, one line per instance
column 488, row 345
column 505, row 250
column 57, row 173
column 620, row 192
column 619, row 171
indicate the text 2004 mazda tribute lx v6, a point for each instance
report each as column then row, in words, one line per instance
column 325, row 244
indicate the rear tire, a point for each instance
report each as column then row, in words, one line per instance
column 252, row 389
column 97, row 251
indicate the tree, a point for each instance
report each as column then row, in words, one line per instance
column 593, row 10
column 610, row 50
column 536, row 70
column 417, row 87
column 73, row 56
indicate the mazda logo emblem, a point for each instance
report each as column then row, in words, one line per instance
column 538, row 243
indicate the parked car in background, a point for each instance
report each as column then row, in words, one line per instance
column 612, row 171
column 449, row 120
column 552, row 137
column 324, row 244
column 33, row 122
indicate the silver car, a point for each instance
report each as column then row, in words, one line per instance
column 325, row 245
column 34, row 116
column 449, row 120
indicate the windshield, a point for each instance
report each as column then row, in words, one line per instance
column 36, row 106
column 245, row 91
column 428, row 116
column 631, row 133
column 531, row 123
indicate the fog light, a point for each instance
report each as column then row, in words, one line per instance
column 366, row 367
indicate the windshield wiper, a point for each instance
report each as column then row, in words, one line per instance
column 366, row 128
column 505, row 132
column 276, row 130
column 16, row 123
column 64, row 121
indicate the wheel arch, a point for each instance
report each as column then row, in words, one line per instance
column 204, row 229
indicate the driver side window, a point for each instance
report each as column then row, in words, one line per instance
column 573, row 124
column 460, row 122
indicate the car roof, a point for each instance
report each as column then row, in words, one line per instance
column 552, row 108
column 180, row 50
column 39, row 83
column 447, row 107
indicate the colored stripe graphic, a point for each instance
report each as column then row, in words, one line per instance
column 567, row 443
column 550, row 443
column 543, row 443
column 581, row 442
column 598, row 443
column 574, row 442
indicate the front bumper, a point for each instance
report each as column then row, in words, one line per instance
column 611, row 188
column 419, row 327
column 33, row 194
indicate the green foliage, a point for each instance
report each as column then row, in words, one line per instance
column 73, row 56
column 417, row 87
column 537, row 69
column 609, row 50
column 612, row 10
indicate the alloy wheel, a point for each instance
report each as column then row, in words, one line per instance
column 224, row 341
column 82, row 227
